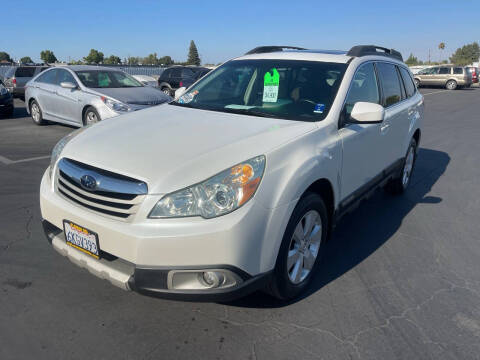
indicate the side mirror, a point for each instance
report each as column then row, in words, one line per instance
column 180, row 91
column 367, row 113
column 68, row 85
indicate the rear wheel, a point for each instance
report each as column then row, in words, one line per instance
column 399, row 184
column 90, row 116
column 36, row 112
column 451, row 85
column 301, row 248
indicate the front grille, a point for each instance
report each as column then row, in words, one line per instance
column 113, row 195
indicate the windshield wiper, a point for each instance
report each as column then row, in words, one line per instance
column 250, row 112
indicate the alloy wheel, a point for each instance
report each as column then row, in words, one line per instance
column 407, row 169
column 304, row 247
column 91, row 118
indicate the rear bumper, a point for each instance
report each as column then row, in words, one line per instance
column 152, row 281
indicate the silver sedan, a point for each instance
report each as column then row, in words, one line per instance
column 83, row 95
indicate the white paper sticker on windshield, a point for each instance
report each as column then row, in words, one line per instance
column 270, row 86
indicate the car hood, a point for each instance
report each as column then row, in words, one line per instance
column 171, row 147
column 144, row 95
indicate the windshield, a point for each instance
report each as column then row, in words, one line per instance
column 287, row 89
column 106, row 79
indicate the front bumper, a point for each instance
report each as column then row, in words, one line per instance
column 152, row 281
column 140, row 253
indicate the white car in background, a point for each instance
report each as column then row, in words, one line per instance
column 146, row 80
column 236, row 185
column 82, row 95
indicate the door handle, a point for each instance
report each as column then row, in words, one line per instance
column 384, row 127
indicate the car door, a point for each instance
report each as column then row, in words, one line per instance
column 443, row 75
column 45, row 90
column 67, row 100
column 428, row 76
column 364, row 155
column 396, row 113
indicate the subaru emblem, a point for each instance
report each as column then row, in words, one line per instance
column 88, row 182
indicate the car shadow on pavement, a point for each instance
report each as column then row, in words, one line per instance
column 362, row 232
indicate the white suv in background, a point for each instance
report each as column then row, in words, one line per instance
column 236, row 185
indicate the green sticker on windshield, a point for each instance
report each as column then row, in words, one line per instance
column 270, row 86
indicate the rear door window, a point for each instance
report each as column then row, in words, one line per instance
column 23, row 71
column 458, row 70
column 186, row 73
column 444, row 71
column 392, row 91
column 407, row 81
column 176, row 73
column 48, row 77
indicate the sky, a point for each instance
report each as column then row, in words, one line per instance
column 226, row 29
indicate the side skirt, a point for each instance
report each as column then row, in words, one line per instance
column 366, row 191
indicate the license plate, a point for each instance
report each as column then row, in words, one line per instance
column 81, row 239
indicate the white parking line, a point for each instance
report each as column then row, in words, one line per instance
column 7, row 161
column 436, row 92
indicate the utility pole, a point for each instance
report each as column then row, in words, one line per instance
column 429, row 57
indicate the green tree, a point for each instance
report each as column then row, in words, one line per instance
column 193, row 57
column 26, row 60
column 113, row 60
column 94, row 57
column 133, row 60
column 466, row 55
column 165, row 61
column 413, row 60
column 76, row 62
column 151, row 59
column 48, row 56
column 5, row 57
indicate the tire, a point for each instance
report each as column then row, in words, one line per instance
column 399, row 184
column 90, row 116
column 292, row 274
column 451, row 85
column 36, row 113
column 167, row 91
column 417, row 83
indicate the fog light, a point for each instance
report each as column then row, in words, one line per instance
column 212, row 279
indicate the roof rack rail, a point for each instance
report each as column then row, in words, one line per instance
column 364, row 50
column 267, row 49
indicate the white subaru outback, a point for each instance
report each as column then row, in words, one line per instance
column 236, row 185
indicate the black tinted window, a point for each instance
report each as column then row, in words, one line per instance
column 176, row 72
column 458, row 70
column 392, row 92
column 444, row 70
column 186, row 73
column 48, row 77
column 407, row 81
column 24, row 72
column 40, row 69
column 65, row 76
column 363, row 87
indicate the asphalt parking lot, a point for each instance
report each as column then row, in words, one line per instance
column 401, row 277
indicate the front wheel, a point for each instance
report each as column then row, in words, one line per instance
column 301, row 249
column 451, row 85
column 417, row 83
column 90, row 117
column 399, row 184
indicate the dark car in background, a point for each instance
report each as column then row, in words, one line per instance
column 6, row 100
column 178, row 76
column 17, row 76
column 475, row 73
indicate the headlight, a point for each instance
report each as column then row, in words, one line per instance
column 58, row 148
column 219, row 195
column 115, row 105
